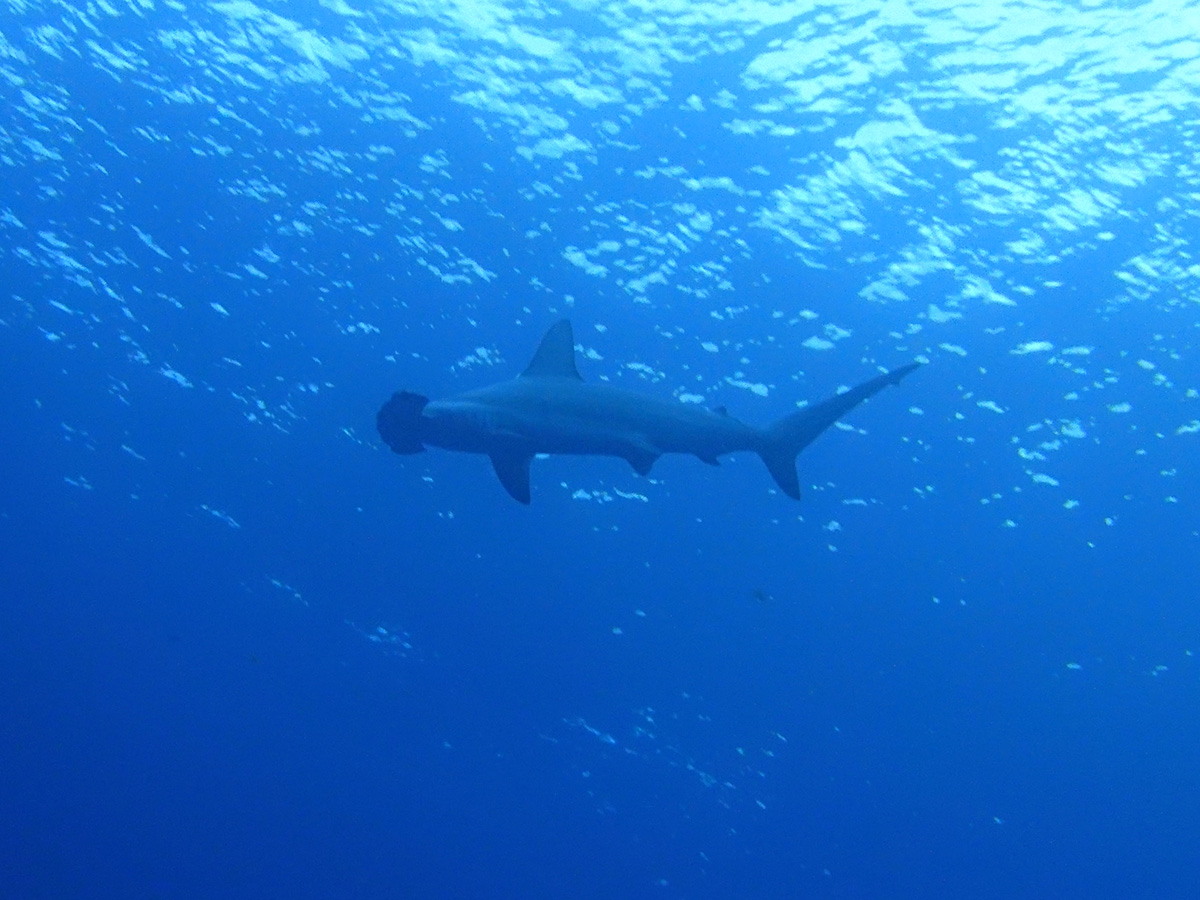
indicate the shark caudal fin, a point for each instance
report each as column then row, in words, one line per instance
column 783, row 441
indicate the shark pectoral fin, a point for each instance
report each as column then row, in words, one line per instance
column 513, row 471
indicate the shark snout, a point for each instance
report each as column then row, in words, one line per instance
column 399, row 422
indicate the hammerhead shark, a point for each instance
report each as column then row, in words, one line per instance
column 549, row 408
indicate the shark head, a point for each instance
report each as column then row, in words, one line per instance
column 400, row 424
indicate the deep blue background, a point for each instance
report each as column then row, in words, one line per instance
column 379, row 677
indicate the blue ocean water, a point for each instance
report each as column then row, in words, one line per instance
column 246, row 651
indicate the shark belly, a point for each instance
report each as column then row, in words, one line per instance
column 605, row 421
column 571, row 418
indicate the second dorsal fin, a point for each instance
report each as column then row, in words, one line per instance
column 555, row 356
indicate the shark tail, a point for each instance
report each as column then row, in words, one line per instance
column 783, row 441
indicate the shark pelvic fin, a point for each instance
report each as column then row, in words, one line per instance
column 555, row 356
column 513, row 471
column 642, row 459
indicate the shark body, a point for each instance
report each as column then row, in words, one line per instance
column 549, row 408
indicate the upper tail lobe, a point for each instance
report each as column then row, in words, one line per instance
column 783, row 441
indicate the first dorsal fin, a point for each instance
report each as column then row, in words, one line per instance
column 555, row 357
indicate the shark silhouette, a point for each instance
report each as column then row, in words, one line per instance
column 549, row 408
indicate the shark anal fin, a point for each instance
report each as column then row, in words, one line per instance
column 513, row 471
column 555, row 356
